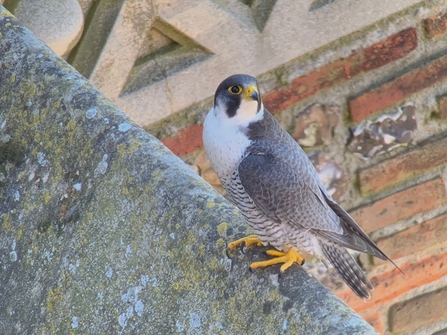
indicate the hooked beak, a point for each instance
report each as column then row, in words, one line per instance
column 252, row 93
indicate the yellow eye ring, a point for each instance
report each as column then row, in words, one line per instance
column 235, row 89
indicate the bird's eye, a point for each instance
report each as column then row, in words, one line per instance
column 235, row 89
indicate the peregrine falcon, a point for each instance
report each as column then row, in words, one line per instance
column 277, row 189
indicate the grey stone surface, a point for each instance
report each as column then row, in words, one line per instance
column 104, row 231
column 86, row 5
column 86, row 54
column 58, row 23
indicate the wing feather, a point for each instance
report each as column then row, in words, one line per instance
column 284, row 191
column 285, row 187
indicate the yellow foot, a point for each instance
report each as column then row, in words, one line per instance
column 288, row 258
column 247, row 241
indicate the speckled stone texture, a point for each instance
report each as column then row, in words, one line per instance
column 104, row 231
column 59, row 23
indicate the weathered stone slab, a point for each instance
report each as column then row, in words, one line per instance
column 58, row 23
column 104, row 231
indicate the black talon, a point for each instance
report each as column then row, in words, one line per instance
column 227, row 252
column 242, row 247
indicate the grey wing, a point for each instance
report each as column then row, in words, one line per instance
column 285, row 187
column 353, row 236
column 279, row 184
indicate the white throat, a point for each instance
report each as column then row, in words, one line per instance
column 224, row 138
column 247, row 112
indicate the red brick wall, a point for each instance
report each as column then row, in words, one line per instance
column 397, row 195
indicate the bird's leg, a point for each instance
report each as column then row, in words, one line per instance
column 247, row 240
column 288, row 258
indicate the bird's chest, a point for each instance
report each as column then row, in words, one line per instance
column 225, row 147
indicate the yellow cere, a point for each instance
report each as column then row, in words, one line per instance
column 249, row 91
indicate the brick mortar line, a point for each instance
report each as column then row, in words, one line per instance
column 380, row 98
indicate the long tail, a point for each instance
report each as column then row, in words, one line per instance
column 348, row 269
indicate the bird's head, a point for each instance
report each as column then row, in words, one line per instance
column 238, row 100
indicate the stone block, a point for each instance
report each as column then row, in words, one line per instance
column 85, row 6
column 58, row 23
